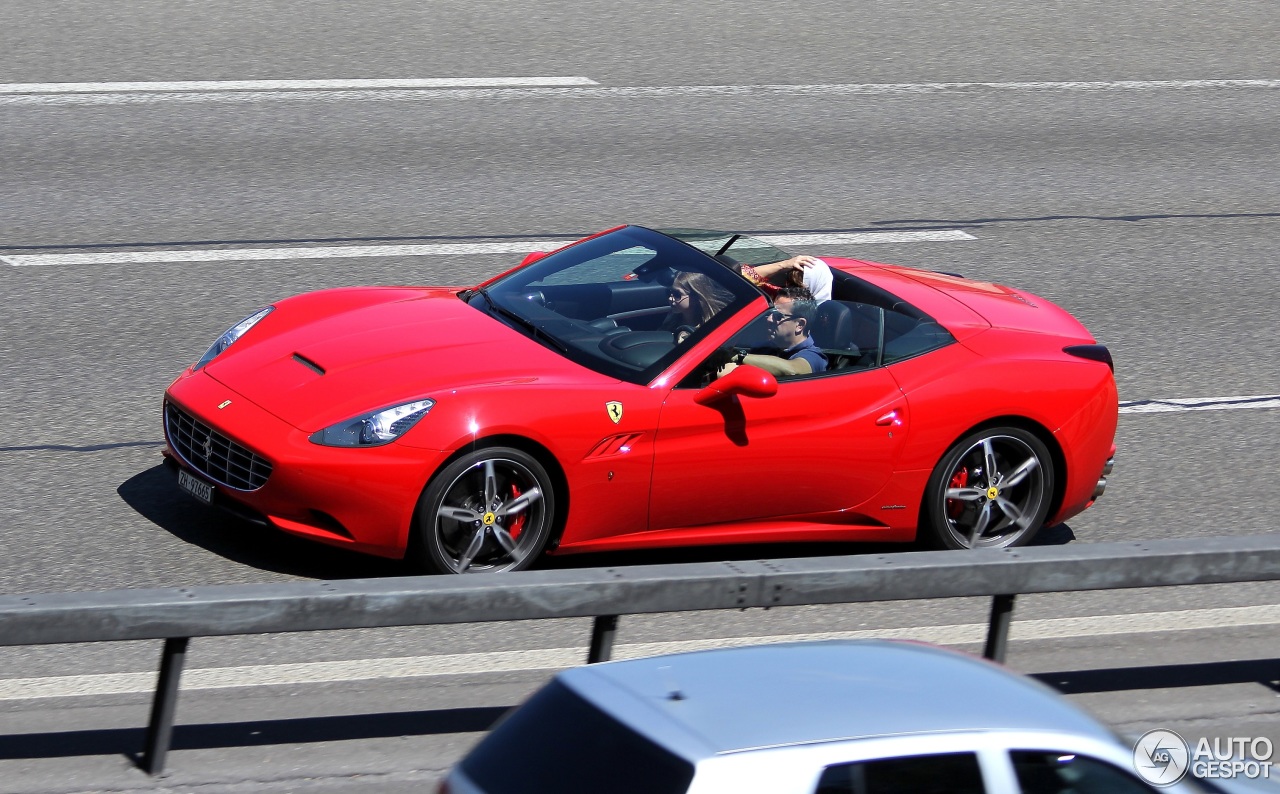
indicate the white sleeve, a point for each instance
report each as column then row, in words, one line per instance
column 818, row 279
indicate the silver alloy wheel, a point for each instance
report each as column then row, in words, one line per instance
column 492, row 517
column 995, row 492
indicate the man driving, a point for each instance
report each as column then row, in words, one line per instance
column 789, row 326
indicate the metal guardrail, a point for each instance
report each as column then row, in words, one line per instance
column 176, row 615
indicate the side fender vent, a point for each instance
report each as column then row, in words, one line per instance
column 614, row 445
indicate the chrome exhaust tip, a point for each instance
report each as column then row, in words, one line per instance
column 1100, row 487
column 1110, row 464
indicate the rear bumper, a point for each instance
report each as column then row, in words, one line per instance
column 1089, row 450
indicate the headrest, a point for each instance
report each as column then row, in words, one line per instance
column 833, row 326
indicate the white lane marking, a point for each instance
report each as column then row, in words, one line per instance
column 940, row 236
column 445, row 249
column 1200, row 404
column 626, row 92
column 288, row 85
column 267, row 254
column 559, row 658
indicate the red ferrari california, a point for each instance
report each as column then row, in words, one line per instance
column 634, row 390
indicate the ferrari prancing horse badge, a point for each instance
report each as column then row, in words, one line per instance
column 615, row 410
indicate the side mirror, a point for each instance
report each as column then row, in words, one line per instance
column 746, row 380
column 532, row 256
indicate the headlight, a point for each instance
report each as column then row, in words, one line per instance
column 374, row 429
column 230, row 335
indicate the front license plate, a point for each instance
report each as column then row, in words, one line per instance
column 196, row 487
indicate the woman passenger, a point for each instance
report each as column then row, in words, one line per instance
column 695, row 299
column 798, row 271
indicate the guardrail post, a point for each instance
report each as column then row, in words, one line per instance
column 603, row 629
column 998, row 627
column 160, row 728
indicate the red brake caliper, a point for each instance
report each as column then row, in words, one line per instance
column 517, row 523
column 958, row 480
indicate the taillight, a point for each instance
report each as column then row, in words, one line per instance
column 1092, row 352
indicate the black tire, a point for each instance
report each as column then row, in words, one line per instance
column 991, row 490
column 489, row 511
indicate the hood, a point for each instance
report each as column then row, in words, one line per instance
column 1001, row 306
column 328, row 356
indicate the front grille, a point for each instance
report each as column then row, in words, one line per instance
column 213, row 454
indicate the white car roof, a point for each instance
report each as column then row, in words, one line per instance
column 734, row 699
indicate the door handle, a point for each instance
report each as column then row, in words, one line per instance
column 890, row 418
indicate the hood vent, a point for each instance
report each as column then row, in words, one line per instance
column 308, row 363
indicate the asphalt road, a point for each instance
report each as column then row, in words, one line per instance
column 1150, row 209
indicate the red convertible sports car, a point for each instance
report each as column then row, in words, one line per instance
column 571, row 405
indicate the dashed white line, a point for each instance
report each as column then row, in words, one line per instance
column 288, row 85
column 443, row 249
column 591, row 90
column 559, row 658
column 272, row 254
column 939, row 236
column 1178, row 404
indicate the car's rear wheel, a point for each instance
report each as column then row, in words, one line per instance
column 991, row 490
column 488, row 511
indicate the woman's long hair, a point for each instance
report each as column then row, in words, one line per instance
column 711, row 297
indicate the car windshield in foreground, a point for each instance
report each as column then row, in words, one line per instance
column 560, row 742
column 625, row 304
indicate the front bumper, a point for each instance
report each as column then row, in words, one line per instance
column 362, row 499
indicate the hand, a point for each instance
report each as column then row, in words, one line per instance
column 800, row 262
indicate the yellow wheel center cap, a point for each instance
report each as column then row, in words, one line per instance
column 992, row 493
column 489, row 518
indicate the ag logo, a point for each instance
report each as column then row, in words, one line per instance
column 615, row 410
column 1160, row 757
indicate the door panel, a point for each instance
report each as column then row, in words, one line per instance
column 814, row 447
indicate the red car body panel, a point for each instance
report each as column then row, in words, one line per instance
column 845, row 457
column 367, row 344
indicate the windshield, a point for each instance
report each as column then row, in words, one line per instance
column 560, row 742
column 625, row 304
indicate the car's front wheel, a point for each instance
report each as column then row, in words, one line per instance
column 488, row 511
column 991, row 490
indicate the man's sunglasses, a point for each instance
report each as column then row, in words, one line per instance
column 777, row 318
